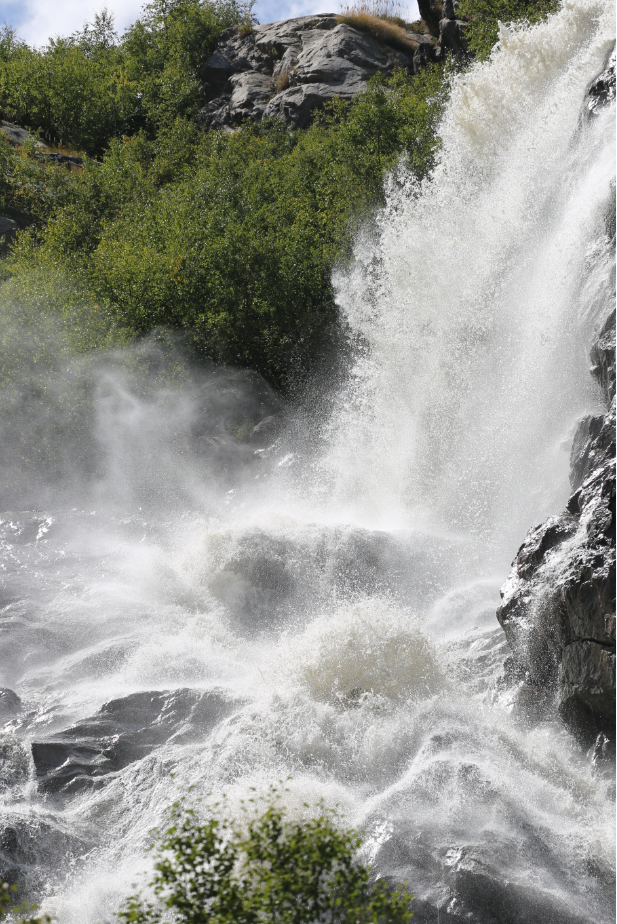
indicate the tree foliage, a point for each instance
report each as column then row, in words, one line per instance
column 230, row 237
column 277, row 871
column 85, row 89
column 22, row 914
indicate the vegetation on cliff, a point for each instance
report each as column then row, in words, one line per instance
column 229, row 237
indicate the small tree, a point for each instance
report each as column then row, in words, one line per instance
column 276, row 872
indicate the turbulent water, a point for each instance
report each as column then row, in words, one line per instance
column 187, row 605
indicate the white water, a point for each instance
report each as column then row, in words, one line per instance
column 337, row 591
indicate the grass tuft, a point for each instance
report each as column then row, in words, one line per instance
column 383, row 19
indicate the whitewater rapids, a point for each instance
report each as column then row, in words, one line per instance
column 183, row 606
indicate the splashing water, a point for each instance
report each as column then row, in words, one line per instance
column 180, row 608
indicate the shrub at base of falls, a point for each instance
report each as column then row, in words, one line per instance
column 231, row 237
column 276, row 870
column 24, row 913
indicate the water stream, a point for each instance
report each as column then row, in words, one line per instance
column 185, row 606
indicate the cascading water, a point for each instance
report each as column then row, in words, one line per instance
column 181, row 609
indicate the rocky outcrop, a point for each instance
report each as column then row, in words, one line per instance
column 558, row 604
column 291, row 68
column 85, row 756
column 17, row 135
column 558, row 609
column 601, row 92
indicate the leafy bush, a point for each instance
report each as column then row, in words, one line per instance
column 84, row 90
column 278, row 872
column 23, row 914
column 483, row 17
column 230, row 237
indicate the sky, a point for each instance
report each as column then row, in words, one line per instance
column 38, row 20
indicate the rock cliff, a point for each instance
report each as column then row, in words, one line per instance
column 289, row 69
column 558, row 609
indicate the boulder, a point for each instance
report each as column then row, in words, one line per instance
column 452, row 36
column 17, row 135
column 431, row 12
column 291, row 68
column 10, row 225
column 250, row 94
column 124, row 730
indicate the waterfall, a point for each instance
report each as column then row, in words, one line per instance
column 182, row 609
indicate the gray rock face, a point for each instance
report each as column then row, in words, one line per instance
column 289, row 69
column 17, row 135
column 602, row 90
column 125, row 730
column 558, row 609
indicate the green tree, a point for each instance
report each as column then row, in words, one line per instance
column 276, row 872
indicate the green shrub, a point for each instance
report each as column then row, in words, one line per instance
column 84, row 90
column 277, row 872
column 231, row 238
column 22, row 914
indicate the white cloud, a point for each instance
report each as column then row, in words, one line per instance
column 37, row 21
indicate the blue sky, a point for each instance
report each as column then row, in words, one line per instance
column 38, row 20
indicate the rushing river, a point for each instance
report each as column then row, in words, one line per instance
column 189, row 603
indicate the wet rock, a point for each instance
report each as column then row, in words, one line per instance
column 15, row 763
column 601, row 90
column 603, row 358
column 30, row 848
column 123, row 731
column 266, row 431
column 466, row 884
column 10, row 704
column 582, row 456
column 558, row 609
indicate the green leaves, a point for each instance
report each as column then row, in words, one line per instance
column 86, row 89
column 232, row 238
column 274, row 871
column 22, row 914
